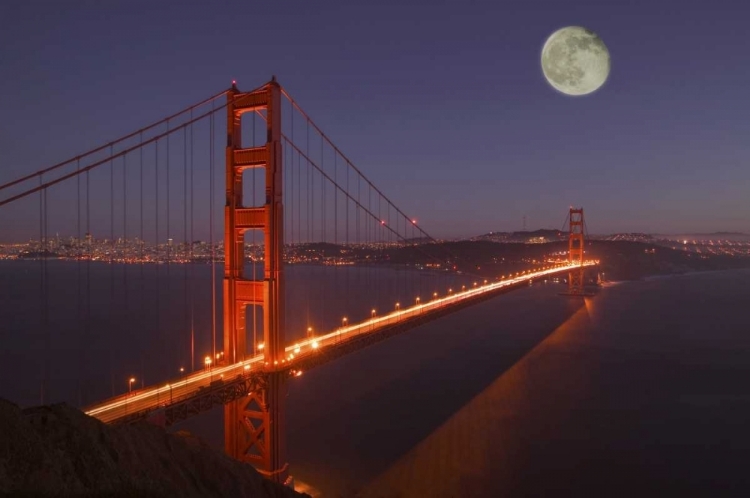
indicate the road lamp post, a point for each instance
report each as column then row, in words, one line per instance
column 372, row 320
column 207, row 362
column 182, row 371
column 130, row 385
column 344, row 320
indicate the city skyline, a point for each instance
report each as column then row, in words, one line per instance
column 450, row 117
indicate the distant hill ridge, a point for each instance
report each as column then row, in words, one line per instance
column 521, row 236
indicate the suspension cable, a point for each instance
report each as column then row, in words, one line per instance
column 106, row 160
column 111, row 143
column 345, row 158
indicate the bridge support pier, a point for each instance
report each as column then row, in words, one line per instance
column 254, row 424
column 254, row 428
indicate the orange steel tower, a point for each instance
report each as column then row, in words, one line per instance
column 575, row 252
column 254, row 425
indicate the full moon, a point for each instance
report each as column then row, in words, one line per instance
column 575, row 61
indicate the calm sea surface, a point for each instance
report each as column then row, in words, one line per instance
column 641, row 390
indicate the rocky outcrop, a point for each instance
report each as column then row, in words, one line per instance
column 59, row 451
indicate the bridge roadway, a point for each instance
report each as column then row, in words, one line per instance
column 221, row 383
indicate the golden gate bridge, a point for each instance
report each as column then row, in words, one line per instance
column 300, row 200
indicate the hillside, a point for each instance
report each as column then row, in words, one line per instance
column 59, row 451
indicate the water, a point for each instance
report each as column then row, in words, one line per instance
column 642, row 389
column 109, row 323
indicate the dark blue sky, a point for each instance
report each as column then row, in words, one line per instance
column 444, row 107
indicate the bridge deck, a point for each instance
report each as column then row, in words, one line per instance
column 200, row 391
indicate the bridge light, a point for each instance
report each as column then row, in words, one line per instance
column 398, row 306
column 247, row 367
column 315, row 344
column 298, row 373
column 261, row 346
column 296, row 349
column 413, row 222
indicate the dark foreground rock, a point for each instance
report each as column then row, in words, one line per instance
column 59, row 451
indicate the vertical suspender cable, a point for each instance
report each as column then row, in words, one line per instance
column 45, row 316
column 323, row 267
column 211, row 236
column 381, row 252
column 41, row 290
column 348, row 247
column 299, row 198
column 157, row 252
column 192, row 239
column 168, row 299
column 169, row 242
column 89, row 237
column 309, row 200
column 337, row 254
column 184, row 234
column 309, row 189
column 291, row 165
column 125, row 304
column 111, row 258
column 141, row 242
column 79, row 288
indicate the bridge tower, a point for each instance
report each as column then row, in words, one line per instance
column 254, row 424
column 575, row 252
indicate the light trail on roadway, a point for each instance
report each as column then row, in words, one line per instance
column 163, row 395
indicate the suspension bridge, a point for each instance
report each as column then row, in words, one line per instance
column 136, row 208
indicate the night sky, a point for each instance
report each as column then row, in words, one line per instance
column 444, row 107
